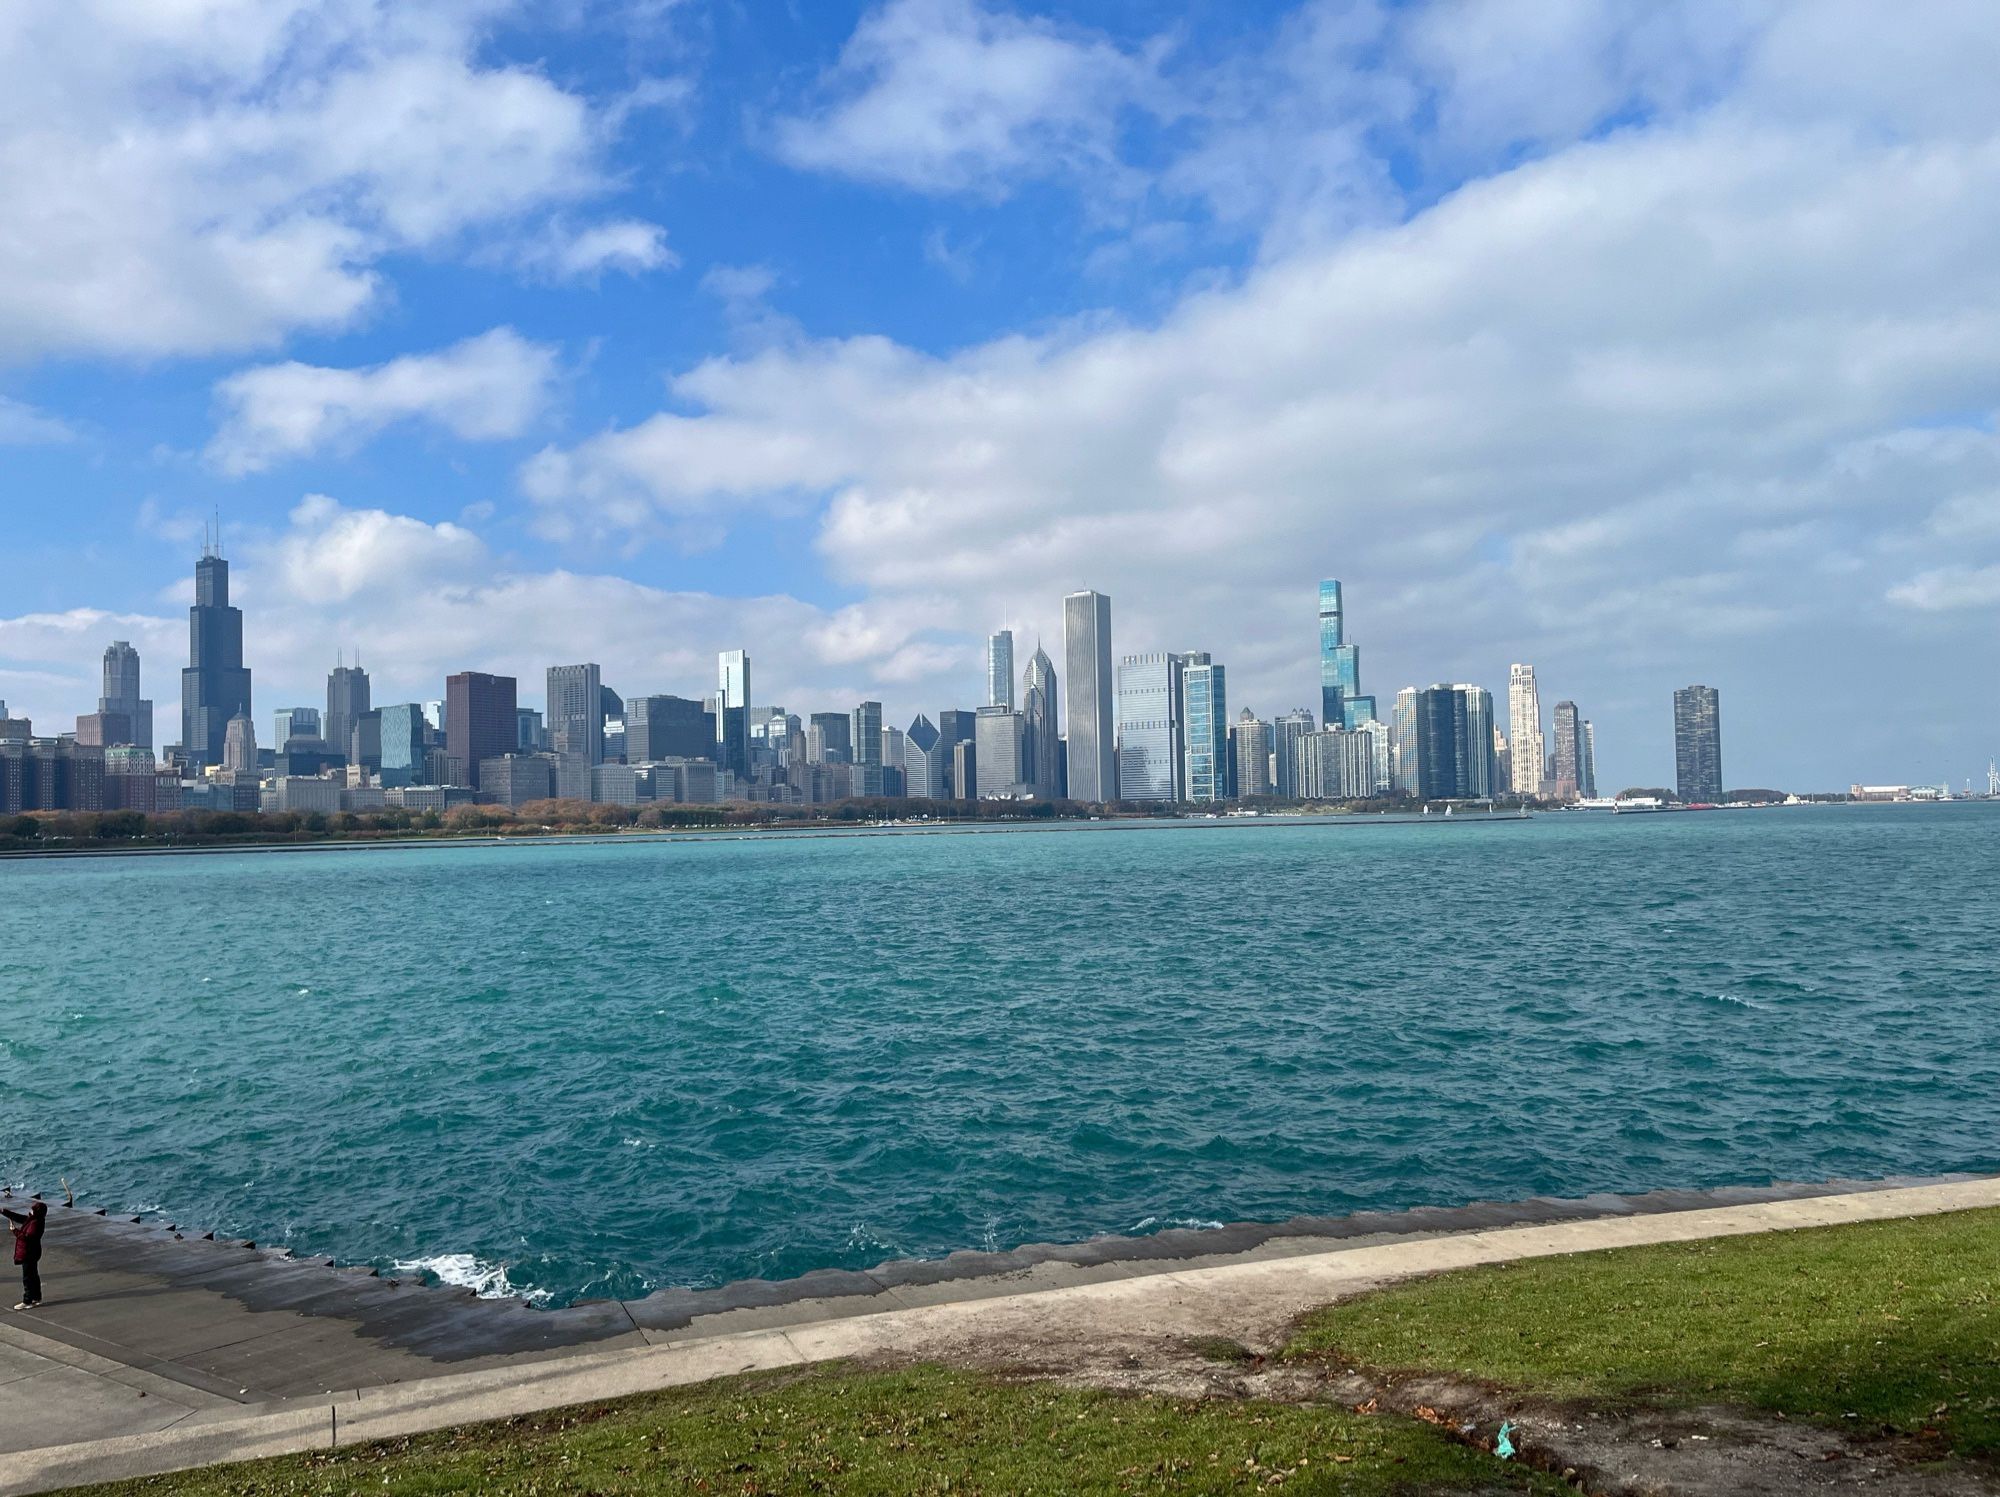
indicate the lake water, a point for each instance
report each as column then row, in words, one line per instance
column 604, row 1069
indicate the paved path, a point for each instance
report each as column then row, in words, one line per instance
column 72, row 1413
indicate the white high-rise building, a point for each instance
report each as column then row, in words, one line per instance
column 1151, row 723
column 1088, row 718
column 1524, row 730
column 1000, row 669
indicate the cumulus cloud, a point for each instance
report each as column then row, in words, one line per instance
column 959, row 95
column 483, row 389
column 1947, row 589
column 212, row 174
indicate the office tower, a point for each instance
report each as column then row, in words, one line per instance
column 1524, row 730
column 347, row 697
column 479, row 721
column 1251, row 744
column 364, row 742
column 515, row 779
column 1000, row 669
column 1041, row 766
column 298, row 722
column 1698, row 745
column 924, row 771
column 1087, row 708
column 528, row 737
column 576, row 711
column 1450, row 751
column 1403, row 742
column 965, row 769
column 732, row 712
column 1152, row 723
column 215, row 687
column 121, row 693
column 1341, row 701
column 1587, row 787
column 403, row 743
column 955, row 726
column 865, row 733
column 667, row 727
column 835, row 743
column 998, row 738
column 1207, row 753
column 1566, row 773
column 1285, row 735
column 239, row 745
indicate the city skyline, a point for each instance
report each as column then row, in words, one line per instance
column 632, row 377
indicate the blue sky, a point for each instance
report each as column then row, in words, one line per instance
column 1648, row 344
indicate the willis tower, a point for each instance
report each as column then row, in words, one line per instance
column 215, row 687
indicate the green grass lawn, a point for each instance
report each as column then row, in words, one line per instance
column 922, row 1431
column 1894, row 1323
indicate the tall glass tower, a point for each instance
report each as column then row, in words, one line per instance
column 1000, row 669
column 1204, row 691
column 215, row 687
column 1042, row 753
column 1341, row 702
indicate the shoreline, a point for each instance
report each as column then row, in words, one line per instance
column 809, row 831
column 445, row 1324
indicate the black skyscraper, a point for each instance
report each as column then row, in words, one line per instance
column 215, row 687
column 1698, row 744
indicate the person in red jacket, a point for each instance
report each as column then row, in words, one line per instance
column 28, row 1227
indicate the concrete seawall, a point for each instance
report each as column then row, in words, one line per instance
column 159, row 1350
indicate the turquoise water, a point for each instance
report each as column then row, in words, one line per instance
column 604, row 1069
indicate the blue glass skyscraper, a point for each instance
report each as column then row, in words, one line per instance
column 215, row 687
column 1342, row 704
column 1207, row 701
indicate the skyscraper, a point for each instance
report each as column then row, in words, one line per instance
column 667, row 727
column 955, row 727
column 925, row 772
column 405, row 736
column 1251, row 744
column 1450, row 746
column 866, row 732
column 121, row 692
column 480, row 720
column 1041, row 747
column 1698, row 744
column 1567, row 770
column 1588, row 786
column 1339, row 661
column 1152, row 721
column 239, row 745
column 1524, row 730
column 576, row 711
column 1205, row 693
column 1285, row 735
column 298, row 722
column 1087, row 711
column 998, row 741
column 1000, row 668
column 732, row 712
column 347, row 698
column 215, row 687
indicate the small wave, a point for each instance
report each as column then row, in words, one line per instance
column 1735, row 998
column 1175, row 1224
column 463, row 1271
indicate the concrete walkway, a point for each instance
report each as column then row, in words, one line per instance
column 103, row 1419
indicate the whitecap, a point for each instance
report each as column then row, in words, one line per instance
column 463, row 1271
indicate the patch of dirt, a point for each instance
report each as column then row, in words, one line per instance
column 1621, row 1453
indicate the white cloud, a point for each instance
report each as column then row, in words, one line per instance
column 1949, row 589
column 483, row 389
column 23, row 425
column 212, row 174
column 958, row 95
column 628, row 246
